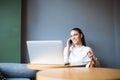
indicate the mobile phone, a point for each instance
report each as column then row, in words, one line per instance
column 70, row 41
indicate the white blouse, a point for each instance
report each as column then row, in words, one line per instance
column 78, row 56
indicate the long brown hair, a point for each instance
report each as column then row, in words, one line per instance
column 80, row 32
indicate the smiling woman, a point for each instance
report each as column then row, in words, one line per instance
column 78, row 53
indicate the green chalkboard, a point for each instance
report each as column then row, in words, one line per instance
column 10, row 30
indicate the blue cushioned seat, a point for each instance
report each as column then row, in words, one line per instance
column 17, row 71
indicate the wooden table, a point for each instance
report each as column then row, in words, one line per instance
column 79, row 74
column 45, row 67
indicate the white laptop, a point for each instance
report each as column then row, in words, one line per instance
column 45, row 52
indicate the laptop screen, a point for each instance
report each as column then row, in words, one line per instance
column 45, row 52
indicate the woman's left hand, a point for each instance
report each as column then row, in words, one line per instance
column 90, row 54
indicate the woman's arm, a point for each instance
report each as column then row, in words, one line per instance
column 67, row 51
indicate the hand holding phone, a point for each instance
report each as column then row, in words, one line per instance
column 69, row 42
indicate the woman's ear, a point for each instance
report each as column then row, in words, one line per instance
column 81, row 35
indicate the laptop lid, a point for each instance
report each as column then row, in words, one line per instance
column 45, row 52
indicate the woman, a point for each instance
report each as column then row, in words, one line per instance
column 76, row 52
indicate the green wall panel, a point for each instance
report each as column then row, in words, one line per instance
column 10, row 30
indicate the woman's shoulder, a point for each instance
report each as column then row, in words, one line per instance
column 87, row 48
column 83, row 47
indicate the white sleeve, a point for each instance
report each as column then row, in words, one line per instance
column 66, row 58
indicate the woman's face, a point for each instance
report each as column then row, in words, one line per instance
column 75, row 37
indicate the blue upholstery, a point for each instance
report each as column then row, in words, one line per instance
column 17, row 71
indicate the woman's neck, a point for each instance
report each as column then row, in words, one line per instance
column 78, row 45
